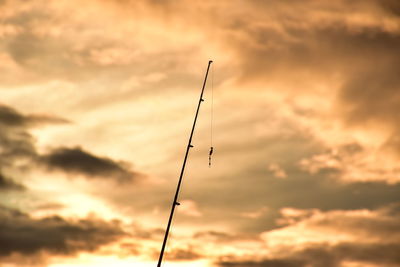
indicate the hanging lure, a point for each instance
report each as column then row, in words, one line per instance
column 209, row 156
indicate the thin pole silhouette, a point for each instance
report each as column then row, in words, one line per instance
column 175, row 201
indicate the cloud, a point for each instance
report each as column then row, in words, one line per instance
column 264, row 263
column 370, row 94
column 329, row 61
column 190, row 208
column 327, row 68
column 322, row 52
column 255, row 214
column 300, row 190
column 332, row 256
column 353, row 163
column 330, row 238
column 382, row 255
column 8, row 184
column 315, row 226
column 76, row 160
column 19, row 233
column 16, row 142
column 277, row 170
column 11, row 118
column 180, row 254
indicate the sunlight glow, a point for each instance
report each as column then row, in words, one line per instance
column 87, row 260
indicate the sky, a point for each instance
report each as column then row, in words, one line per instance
column 97, row 99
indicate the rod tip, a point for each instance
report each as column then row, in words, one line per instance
column 209, row 62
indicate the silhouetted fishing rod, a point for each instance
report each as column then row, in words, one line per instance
column 175, row 201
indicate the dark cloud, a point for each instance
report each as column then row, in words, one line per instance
column 216, row 236
column 76, row 160
column 10, row 117
column 49, row 206
column 372, row 93
column 19, row 233
column 16, row 142
column 264, row 263
column 381, row 225
column 318, row 192
column 383, row 254
column 8, row 184
column 182, row 255
column 46, row 119
column 390, row 6
column 148, row 234
column 129, row 249
column 39, row 53
column 317, row 51
column 223, row 237
column 375, row 236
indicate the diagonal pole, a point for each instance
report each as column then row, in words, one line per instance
column 175, row 201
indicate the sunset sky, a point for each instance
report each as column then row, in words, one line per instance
column 97, row 99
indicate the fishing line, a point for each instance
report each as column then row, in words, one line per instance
column 211, row 117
